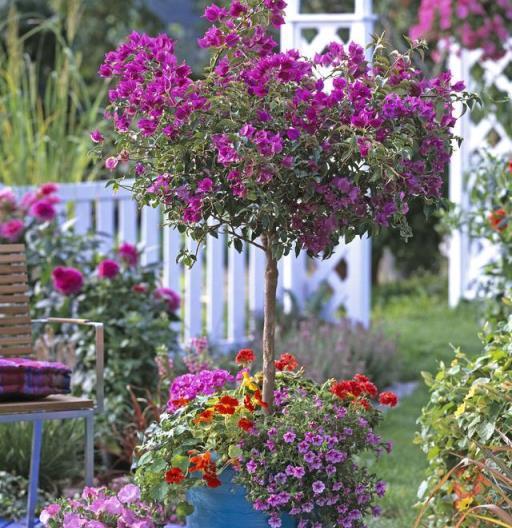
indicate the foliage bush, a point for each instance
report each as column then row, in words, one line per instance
column 61, row 455
column 469, row 413
column 70, row 277
column 47, row 111
column 13, row 496
column 341, row 350
column 489, row 219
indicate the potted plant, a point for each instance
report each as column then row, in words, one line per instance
column 276, row 150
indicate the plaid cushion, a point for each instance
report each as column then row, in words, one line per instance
column 28, row 378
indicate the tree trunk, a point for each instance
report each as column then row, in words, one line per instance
column 269, row 325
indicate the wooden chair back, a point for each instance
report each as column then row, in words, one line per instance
column 15, row 324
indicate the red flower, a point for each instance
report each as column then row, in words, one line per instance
column 258, row 398
column 388, row 398
column 245, row 424
column 181, row 402
column 212, row 481
column 497, row 219
column 174, row 476
column 364, row 403
column 361, row 378
column 248, row 403
column 139, row 288
column 287, row 362
column 369, row 388
column 225, row 409
column 228, row 400
column 245, row 356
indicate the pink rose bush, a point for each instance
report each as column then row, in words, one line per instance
column 102, row 508
column 16, row 216
column 474, row 24
column 108, row 269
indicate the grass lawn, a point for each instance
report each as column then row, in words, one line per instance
column 425, row 327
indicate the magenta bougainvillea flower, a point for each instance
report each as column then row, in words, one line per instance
column 474, row 24
column 272, row 141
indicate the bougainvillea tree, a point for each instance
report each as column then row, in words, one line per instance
column 274, row 149
column 474, row 24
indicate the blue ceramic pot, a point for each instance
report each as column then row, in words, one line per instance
column 227, row 507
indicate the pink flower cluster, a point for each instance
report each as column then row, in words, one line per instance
column 475, row 24
column 268, row 128
column 102, row 508
column 15, row 216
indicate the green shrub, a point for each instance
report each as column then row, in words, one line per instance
column 469, row 414
column 61, row 453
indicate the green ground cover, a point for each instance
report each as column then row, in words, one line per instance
column 425, row 327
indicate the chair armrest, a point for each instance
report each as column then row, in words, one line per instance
column 100, row 351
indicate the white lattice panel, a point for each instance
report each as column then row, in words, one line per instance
column 311, row 33
column 467, row 257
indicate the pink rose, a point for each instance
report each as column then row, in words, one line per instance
column 12, row 229
column 169, row 297
column 128, row 253
column 67, row 280
column 7, row 198
column 47, row 189
column 43, row 210
column 108, row 269
column 111, row 163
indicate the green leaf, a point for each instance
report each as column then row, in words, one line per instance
column 234, row 451
column 183, row 509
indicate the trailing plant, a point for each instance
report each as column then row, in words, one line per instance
column 13, row 496
column 71, row 277
column 303, row 460
column 469, row 419
column 263, row 149
column 103, row 508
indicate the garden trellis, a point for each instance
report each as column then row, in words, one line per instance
column 479, row 130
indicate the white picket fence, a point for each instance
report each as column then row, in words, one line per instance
column 222, row 294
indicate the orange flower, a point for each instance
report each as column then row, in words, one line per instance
column 245, row 424
column 204, row 417
column 180, row 402
column 201, row 462
column 497, row 220
column 174, row 476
